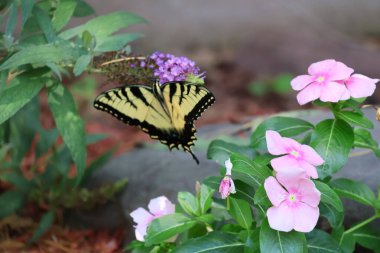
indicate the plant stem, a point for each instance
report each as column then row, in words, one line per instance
column 361, row 224
column 228, row 203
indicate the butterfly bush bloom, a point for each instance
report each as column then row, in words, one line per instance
column 331, row 81
column 227, row 185
column 172, row 68
column 158, row 207
column 295, row 204
column 298, row 160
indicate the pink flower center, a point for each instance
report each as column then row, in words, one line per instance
column 320, row 79
column 293, row 198
column 295, row 153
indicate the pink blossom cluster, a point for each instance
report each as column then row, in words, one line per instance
column 332, row 81
column 292, row 193
column 227, row 185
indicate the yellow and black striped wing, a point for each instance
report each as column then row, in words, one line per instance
column 191, row 99
column 136, row 106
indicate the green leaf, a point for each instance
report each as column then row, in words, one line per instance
column 10, row 202
column 368, row 237
column 249, row 171
column 27, row 7
column 189, row 203
column 319, row 241
column 346, row 241
column 40, row 54
column 364, row 139
column 14, row 97
column 205, row 198
column 214, row 242
column 167, row 226
column 354, row 118
column 63, row 13
column 241, row 211
column 81, row 64
column 331, row 206
column 354, row 190
column 244, row 191
column 117, row 42
column 220, row 151
column 69, row 124
column 12, row 20
column 272, row 241
column 261, row 200
column 252, row 243
column 45, row 223
column 103, row 26
column 333, row 140
column 45, row 24
column 286, row 126
column 83, row 9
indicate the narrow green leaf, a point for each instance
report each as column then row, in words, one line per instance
column 83, row 9
column 14, row 97
column 69, row 124
column 286, row 126
column 331, row 206
column 354, row 190
column 55, row 70
column 45, row 223
column 63, row 13
column 220, row 151
column 354, row 118
column 364, row 139
column 346, row 241
column 189, row 203
column 40, row 54
column 205, row 198
column 27, row 7
column 167, row 226
column 252, row 243
column 319, row 241
column 81, row 64
column 45, row 24
column 10, row 202
column 117, row 42
column 105, row 25
column 333, row 140
column 272, row 241
column 241, row 211
column 249, row 171
column 12, row 20
column 214, row 242
column 368, row 237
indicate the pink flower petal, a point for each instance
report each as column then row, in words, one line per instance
column 346, row 95
column 305, row 218
column 300, row 82
column 291, row 181
column 311, row 156
column 361, row 86
column 310, row 194
column 340, row 72
column 281, row 218
column 161, row 206
column 308, row 94
column 291, row 144
column 332, row 91
column 141, row 216
column 274, row 190
column 275, row 143
column 140, row 232
column 286, row 164
column 321, row 67
column 310, row 170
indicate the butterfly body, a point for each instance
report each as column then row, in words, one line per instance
column 166, row 112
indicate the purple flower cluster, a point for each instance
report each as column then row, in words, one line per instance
column 170, row 68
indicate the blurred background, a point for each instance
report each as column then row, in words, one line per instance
column 251, row 49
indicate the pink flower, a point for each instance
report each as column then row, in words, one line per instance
column 158, row 207
column 295, row 204
column 227, row 185
column 359, row 86
column 323, row 82
column 298, row 159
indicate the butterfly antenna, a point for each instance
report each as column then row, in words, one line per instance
column 194, row 157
